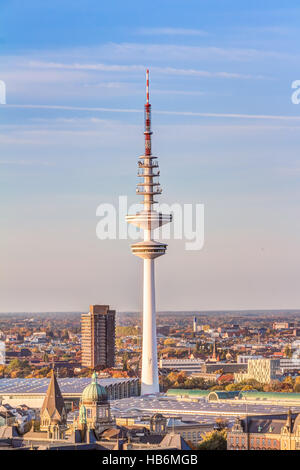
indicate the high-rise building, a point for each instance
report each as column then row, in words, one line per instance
column 98, row 337
column 195, row 325
column 148, row 220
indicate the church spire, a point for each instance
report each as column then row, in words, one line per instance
column 53, row 409
column 289, row 420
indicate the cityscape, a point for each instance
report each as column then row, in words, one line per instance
column 227, row 379
column 198, row 350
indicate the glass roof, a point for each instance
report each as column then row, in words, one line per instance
column 66, row 385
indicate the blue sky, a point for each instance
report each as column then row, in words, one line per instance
column 225, row 130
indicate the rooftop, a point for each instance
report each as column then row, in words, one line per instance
column 201, row 410
column 66, row 385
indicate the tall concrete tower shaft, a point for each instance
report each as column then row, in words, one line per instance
column 149, row 219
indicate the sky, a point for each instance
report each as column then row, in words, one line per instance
column 225, row 130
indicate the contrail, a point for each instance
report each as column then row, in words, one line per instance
column 173, row 113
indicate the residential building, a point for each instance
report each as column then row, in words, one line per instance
column 98, row 337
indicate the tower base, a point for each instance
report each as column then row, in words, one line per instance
column 149, row 380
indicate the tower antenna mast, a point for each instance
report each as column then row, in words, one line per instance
column 149, row 249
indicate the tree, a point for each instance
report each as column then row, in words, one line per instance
column 2, row 370
column 221, row 423
column 214, row 440
column 288, row 351
column 125, row 362
column 64, row 335
column 14, row 365
column 233, row 387
column 169, row 342
column 297, row 384
column 176, row 378
column 45, row 357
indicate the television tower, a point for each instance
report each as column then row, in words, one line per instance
column 148, row 220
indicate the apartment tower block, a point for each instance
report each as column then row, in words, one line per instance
column 98, row 337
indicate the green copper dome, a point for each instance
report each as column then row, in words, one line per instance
column 93, row 392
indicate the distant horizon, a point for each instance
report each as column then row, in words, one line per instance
column 163, row 312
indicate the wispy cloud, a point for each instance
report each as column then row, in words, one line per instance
column 107, row 85
column 271, row 29
column 171, row 32
column 92, row 133
column 131, row 88
column 25, row 163
column 172, row 113
column 141, row 68
column 232, row 115
column 131, row 51
column 74, row 108
column 179, row 92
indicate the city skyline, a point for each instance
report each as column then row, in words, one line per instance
column 226, row 130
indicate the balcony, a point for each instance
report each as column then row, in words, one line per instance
column 139, row 173
column 144, row 185
column 144, row 165
column 142, row 191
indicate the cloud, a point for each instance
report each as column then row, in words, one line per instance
column 162, row 52
column 36, row 76
column 172, row 113
column 73, row 108
column 107, row 85
column 232, row 115
column 25, row 163
column 274, row 29
column 91, row 134
column 179, row 92
column 171, row 32
column 130, row 88
column 141, row 68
